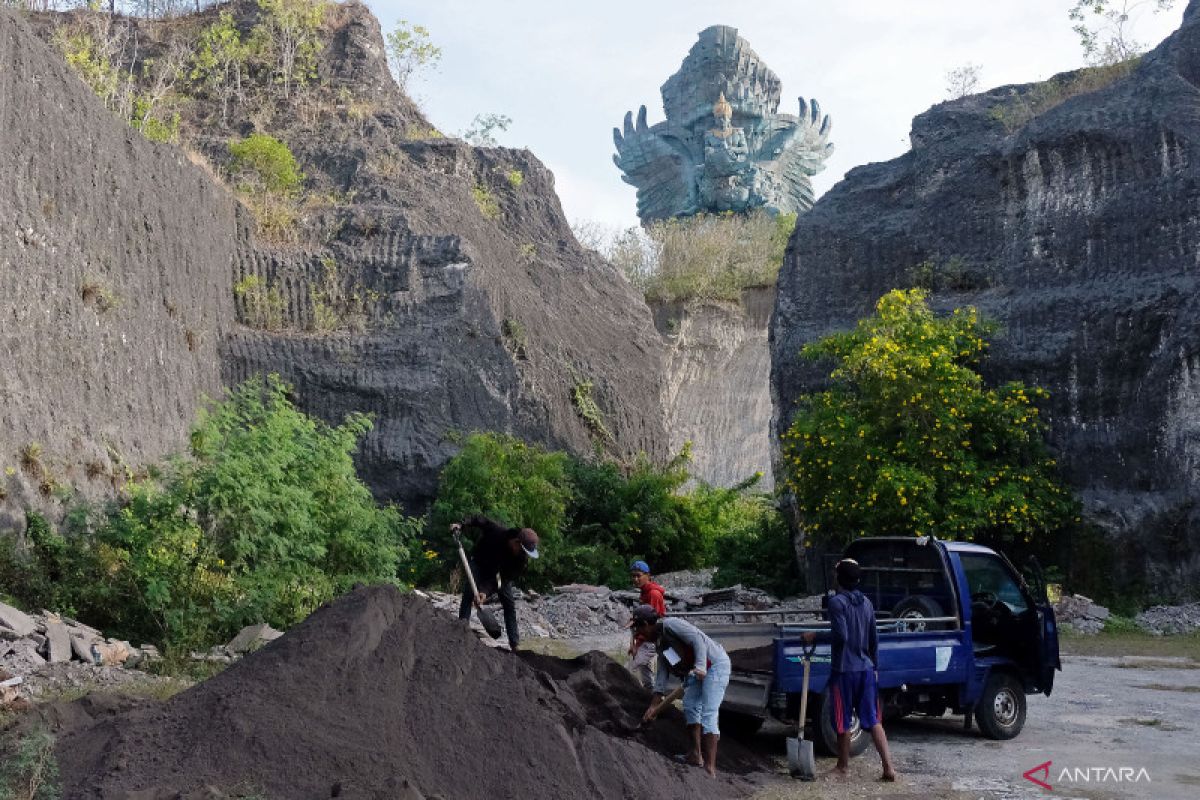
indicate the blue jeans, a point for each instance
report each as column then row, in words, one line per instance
column 702, row 699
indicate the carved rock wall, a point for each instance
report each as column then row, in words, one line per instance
column 1079, row 233
column 115, row 257
column 717, row 387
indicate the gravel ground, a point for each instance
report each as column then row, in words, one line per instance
column 1104, row 712
column 1141, row 711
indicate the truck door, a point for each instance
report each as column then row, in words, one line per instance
column 1048, row 655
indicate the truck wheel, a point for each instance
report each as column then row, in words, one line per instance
column 915, row 608
column 739, row 726
column 1001, row 709
column 826, row 738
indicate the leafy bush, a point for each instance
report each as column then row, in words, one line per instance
column 486, row 201
column 288, row 33
column 264, row 521
column 514, row 483
column 706, row 257
column 28, row 768
column 757, row 549
column 593, row 517
column 908, row 441
column 265, row 164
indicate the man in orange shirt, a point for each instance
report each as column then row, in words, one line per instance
column 641, row 651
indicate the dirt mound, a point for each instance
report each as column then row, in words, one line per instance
column 379, row 695
column 612, row 700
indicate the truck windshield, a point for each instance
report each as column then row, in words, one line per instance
column 988, row 575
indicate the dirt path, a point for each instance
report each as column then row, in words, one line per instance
column 1139, row 713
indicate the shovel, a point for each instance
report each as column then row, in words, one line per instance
column 485, row 617
column 800, row 751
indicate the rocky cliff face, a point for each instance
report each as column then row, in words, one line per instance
column 1079, row 232
column 717, row 386
column 432, row 284
column 115, row 257
column 461, row 300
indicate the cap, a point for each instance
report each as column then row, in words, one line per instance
column 848, row 573
column 642, row 614
column 640, row 566
column 529, row 541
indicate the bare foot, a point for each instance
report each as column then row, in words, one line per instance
column 889, row 776
column 838, row 774
column 712, row 771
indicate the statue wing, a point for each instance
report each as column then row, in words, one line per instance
column 805, row 139
column 658, row 165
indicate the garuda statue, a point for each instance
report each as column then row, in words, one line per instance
column 722, row 146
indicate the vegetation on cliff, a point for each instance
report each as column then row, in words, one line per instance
column 704, row 258
column 263, row 520
column 907, row 440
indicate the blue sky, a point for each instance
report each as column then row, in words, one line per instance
column 567, row 72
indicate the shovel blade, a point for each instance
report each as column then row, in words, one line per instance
column 489, row 623
column 801, row 762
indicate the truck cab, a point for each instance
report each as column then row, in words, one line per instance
column 960, row 630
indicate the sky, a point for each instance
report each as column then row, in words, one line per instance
column 567, row 72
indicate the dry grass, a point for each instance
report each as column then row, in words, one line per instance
column 1132, row 644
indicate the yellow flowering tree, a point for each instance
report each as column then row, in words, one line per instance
column 907, row 440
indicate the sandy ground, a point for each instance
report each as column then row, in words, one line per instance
column 1104, row 712
column 1134, row 712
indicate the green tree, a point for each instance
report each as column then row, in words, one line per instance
column 410, row 49
column 483, row 129
column 221, row 61
column 908, row 441
column 1105, row 28
column 289, row 34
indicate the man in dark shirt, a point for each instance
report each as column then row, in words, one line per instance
column 499, row 556
column 854, row 660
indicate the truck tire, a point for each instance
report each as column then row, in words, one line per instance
column 914, row 608
column 1001, row 708
column 738, row 725
column 826, row 734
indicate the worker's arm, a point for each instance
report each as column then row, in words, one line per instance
column 696, row 640
column 873, row 641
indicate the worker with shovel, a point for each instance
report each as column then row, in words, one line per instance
column 854, row 660
column 688, row 653
column 500, row 555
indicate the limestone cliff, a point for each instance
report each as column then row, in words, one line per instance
column 1078, row 230
column 115, row 262
column 432, row 284
column 717, row 386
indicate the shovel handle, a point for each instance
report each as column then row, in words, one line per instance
column 462, row 554
column 803, row 702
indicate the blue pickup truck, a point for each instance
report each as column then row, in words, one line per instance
column 960, row 630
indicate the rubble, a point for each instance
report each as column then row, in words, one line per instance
column 1168, row 620
column 1080, row 614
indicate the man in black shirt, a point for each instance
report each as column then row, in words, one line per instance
column 499, row 556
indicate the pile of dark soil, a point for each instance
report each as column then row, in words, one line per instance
column 754, row 659
column 378, row 695
column 613, row 700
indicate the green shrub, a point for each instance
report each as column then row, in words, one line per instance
column 486, row 201
column 593, row 516
column 757, row 549
column 514, row 483
column 264, row 521
column 908, row 441
column 28, row 768
column 515, row 178
column 265, row 164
